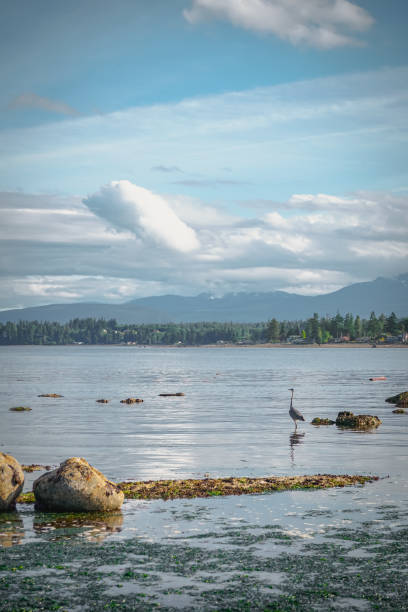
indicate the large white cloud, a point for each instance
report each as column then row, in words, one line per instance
column 148, row 215
column 319, row 23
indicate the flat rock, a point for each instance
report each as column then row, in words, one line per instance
column 131, row 400
column 171, row 394
column 102, row 401
column 11, row 481
column 357, row 421
column 50, row 395
column 76, row 486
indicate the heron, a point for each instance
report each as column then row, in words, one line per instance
column 293, row 413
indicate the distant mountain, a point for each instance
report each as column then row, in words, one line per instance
column 381, row 295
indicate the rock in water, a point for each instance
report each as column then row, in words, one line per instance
column 357, row 421
column 11, row 481
column 401, row 399
column 319, row 421
column 76, row 486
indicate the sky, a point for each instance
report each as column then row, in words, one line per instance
column 188, row 146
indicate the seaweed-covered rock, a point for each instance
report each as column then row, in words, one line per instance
column 131, row 400
column 399, row 411
column 357, row 421
column 401, row 399
column 11, row 481
column 20, row 409
column 319, row 421
column 76, row 486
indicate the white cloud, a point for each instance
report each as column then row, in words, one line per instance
column 144, row 213
column 31, row 100
column 318, row 23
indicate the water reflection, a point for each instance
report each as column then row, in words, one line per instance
column 11, row 529
column 94, row 527
column 294, row 439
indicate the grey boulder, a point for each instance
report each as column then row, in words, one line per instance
column 76, row 486
column 11, row 481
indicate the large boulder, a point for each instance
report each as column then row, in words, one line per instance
column 11, row 481
column 76, row 486
column 357, row 421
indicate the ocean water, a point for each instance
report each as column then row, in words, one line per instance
column 232, row 420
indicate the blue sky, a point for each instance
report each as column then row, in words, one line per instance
column 228, row 119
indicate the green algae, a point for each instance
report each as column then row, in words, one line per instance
column 140, row 575
column 213, row 487
column 208, row 487
column 26, row 498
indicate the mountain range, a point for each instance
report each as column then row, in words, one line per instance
column 383, row 295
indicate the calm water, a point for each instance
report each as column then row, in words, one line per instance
column 232, row 420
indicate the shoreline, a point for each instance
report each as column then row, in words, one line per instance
column 266, row 345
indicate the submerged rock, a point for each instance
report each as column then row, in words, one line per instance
column 35, row 467
column 401, row 399
column 399, row 411
column 76, row 486
column 357, row 421
column 50, row 395
column 319, row 421
column 11, row 481
column 131, row 400
column 171, row 394
column 20, row 409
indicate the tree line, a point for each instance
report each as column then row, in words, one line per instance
column 100, row 331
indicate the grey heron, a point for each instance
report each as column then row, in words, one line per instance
column 293, row 413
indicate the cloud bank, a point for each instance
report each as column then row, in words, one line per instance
column 125, row 241
column 317, row 23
